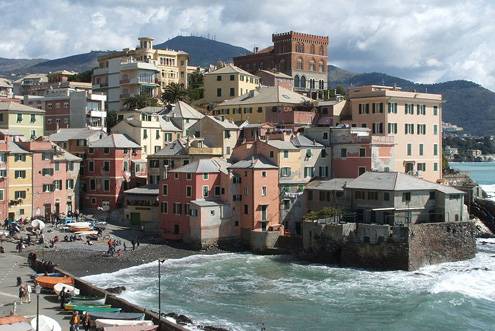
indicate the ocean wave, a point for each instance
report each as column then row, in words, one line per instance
column 490, row 190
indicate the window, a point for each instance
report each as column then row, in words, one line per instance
column 246, row 209
column 20, row 173
column 69, row 184
column 232, row 92
column 106, row 150
column 323, row 171
column 106, row 166
column 164, row 207
column 47, row 172
column 263, row 174
column 392, row 128
column 20, row 194
column 409, row 128
column 57, row 166
column 92, row 184
column 165, row 189
column 308, row 171
column 286, row 154
column 435, row 166
column 19, row 158
column 205, row 175
column 219, row 78
column 386, row 196
column 421, row 128
column 106, row 185
column 219, row 92
column 285, row 172
column 19, row 118
column 205, row 191
column 435, row 129
column 90, row 150
column 435, row 149
column 343, row 152
column 372, row 195
column 188, row 191
column 33, row 118
column 218, row 191
column 91, row 166
column 47, row 188
column 323, row 153
column 435, row 110
column 188, row 175
column 432, row 195
column 421, row 149
column 362, row 152
column 409, row 149
column 361, row 170
column 392, row 108
column 263, row 191
column 145, row 134
column 2, row 195
column 177, row 208
column 406, row 197
column 359, row 195
column 271, row 154
column 421, row 166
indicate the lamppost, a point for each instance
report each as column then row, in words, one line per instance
column 37, row 290
column 159, row 295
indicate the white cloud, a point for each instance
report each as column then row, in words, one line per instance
column 424, row 40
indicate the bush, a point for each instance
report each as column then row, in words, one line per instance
column 322, row 213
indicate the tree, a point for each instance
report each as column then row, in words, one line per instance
column 445, row 164
column 84, row 77
column 195, row 88
column 140, row 101
column 174, row 92
column 111, row 120
column 322, row 213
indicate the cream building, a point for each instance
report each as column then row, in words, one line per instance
column 22, row 119
column 216, row 132
column 412, row 118
column 20, row 174
column 149, row 129
column 228, row 82
column 144, row 70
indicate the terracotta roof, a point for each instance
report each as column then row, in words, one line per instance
column 115, row 140
column 267, row 94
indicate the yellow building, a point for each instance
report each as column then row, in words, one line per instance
column 228, row 82
column 22, row 119
column 144, row 70
column 258, row 106
column 20, row 174
column 149, row 129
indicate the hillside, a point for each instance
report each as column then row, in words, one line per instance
column 203, row 51
column 10, row 65
column 467, row 104
column 79, row 62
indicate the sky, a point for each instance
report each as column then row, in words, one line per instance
column 424, row 41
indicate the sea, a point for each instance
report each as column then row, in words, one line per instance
column 249, row 292
column 481, row 172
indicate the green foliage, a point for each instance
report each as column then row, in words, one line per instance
column 445, row 164
column 305, row 106
column 140, row 101
column 174, row 92
column 464, row 144
column 84, row 77
column 322, row 213
column 195, row 88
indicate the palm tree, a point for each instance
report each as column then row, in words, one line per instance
column 140, row 101
column 174, row 92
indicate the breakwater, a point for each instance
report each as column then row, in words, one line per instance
column 86, row 288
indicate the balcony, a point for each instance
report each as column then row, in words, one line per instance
column 138, row 65
column 205, row 151
column 389, row 140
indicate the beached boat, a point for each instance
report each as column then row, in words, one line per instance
column 46, row 324
column 51, row 274
column 96, row 309
column 116, row 316
column 12, row 319
column 49, row 282
column 57, row 288
column 101, row 323
column 88, row 300
column 131, row 328
column 79, row 226
column 71, row 306
column 14, row 323
column 87, row 233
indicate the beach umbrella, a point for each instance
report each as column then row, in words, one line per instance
column 46, row 324
column 38, row 224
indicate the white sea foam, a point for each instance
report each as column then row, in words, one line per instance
column 490, row 190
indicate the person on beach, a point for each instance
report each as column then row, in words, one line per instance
column 28, row 293
column 21, row 293
column 85, row 321
column 125, row 247
column 63, row 297
column 75, row 321
column 133, row 245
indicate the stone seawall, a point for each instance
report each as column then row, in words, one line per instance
column 389, row 248
column 440, row 242
column 87, row 288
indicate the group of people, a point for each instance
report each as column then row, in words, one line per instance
column 78, row 321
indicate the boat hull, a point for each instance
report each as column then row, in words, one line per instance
column 49, row 282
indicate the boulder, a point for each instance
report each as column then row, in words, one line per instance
column 116, row 290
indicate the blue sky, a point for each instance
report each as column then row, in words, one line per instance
column 425, row 41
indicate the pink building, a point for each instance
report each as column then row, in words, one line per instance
column 55, row 179
column 4, row 180
column 271, row 78
column 113, row 165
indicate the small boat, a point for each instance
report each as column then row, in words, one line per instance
column 88, row 300
column 96, row 309
column 51, row 274
column 71, row 307
column 131, row 328
column 49, row 282
column 86, row 233
column 117, row 316
column 57, row 288
column 14, row 323
column 12, row 319
column 79, row 226
column 46, row 324
column 101, row 322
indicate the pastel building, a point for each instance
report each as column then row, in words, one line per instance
column 142, row 208
column 275, row 105
column 4, row 180
column 54, row 178
column 274, row 78
column 23, row 119
column 144, row 70
column 110, row 168
column 217, row 132
column 228, row 82
column 20, row 174
column 413, row 119
column 183, row 116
